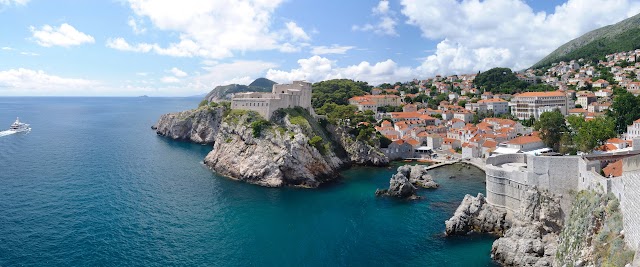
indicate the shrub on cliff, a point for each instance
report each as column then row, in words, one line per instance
column 258, row 126
column 316, row 142
column 594, row 225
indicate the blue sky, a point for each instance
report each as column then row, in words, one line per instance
column 187, row 47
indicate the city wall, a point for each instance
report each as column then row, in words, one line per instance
column 506, row 183
column 630, row 200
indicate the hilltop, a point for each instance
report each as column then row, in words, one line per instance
column 594, row 45
column 224, row 92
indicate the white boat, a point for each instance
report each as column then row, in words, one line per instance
column 18, row 126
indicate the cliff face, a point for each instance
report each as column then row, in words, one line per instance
column 359, row 152
column 199, row 125
column 533, row 237
column 593, row 234
column 474, row 214
column 273, row 154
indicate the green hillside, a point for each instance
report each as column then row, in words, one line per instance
column 594, row 45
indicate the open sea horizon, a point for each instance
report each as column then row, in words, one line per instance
column 93, row 185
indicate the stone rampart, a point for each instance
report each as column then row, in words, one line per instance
column 507, row 177
column 629, row 191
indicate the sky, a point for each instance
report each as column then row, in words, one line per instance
column 187, row 47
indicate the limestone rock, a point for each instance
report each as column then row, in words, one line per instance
column 403, row 183
column 533, row 238
column 418, row 176
column 199, row 125
column 279, row 156
column 359, row 152
column 475, row 214
column 399, row 186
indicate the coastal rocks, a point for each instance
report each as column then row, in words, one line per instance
column 359, row 152
column 271, row 154
column 475, row 214
column 532, row 239
column 403, row 184
column 198, row 125
column 400, row 187
column 418, row 176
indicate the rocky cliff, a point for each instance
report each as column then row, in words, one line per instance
column 533, row 237
column 475, row 214
column 284, row 152
column 199, row 125
column 358, row 151
column 593, row 234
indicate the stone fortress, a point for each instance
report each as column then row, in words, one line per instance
column 508, row 176
column 296, row 94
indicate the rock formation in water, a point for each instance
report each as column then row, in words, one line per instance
column 400, row 187
column 528, row 237
column 291, row 150
column 475, row 214
column 199, row 125
column 403, row 183
column 358, row 151
column 418, row 176
column 533, row 237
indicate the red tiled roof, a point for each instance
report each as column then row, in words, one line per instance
column 614, row 169
column 541, row 94
column 525, row 140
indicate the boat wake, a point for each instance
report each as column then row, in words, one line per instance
column 7, row 132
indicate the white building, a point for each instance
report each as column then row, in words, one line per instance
column 633, row 131
column 498, row 106
column 296, row 94
column 528, row 104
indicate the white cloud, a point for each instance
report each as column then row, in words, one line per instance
column 170, row 79
column 296, row 32
column 143, row 74
column 121, row 44
column 29, row 54
column 6, row 48
column 477, row 35
column 178, row 72
column 216, row 29
column 13, row 2
column 318, row 68
column 333, row 49
column 36, row 82
column 240, row 72
column 136, row 26
column 387, row 20
column 65, row 35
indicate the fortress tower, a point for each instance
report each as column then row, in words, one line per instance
column 296, row 94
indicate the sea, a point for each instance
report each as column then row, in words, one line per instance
column 93, row 185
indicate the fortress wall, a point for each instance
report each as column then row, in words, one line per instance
column 505, row 187
column 630, row 202
column 563, row 176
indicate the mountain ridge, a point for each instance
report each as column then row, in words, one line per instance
column 224, row 92
column 619, row 37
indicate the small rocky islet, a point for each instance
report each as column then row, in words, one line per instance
column 404, row 183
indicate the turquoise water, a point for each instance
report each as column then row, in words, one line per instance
column 92, row 185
